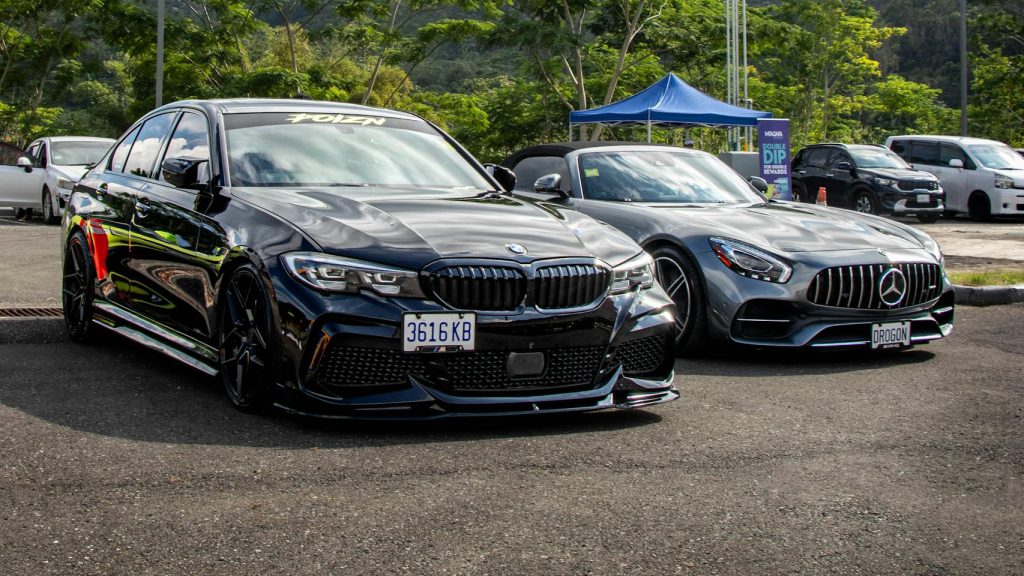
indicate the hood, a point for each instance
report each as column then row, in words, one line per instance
column 898, row 173
column 790, row 227
column 73, row 173
column 410, row 228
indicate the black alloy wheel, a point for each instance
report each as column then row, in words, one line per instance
column 244, row 353
column 77, row 287
column 678, row 276
column 979, row 208
column 865, row 203
column 48, row 216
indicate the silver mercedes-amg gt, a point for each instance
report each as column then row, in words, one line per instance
column 745, row 269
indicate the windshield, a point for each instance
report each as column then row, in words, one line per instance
column 71, row 153
column 662, row 176
column 997, row 156
column 877, row 158
column 316, row 149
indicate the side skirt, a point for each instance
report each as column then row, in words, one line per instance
column 186, row 350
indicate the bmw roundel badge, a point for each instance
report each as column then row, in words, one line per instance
column 518, row 249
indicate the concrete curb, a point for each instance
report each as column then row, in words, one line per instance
column 988, row 295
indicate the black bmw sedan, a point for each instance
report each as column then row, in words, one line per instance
column 347, row 261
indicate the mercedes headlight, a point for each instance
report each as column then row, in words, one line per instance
column 749, row 261
column 637, row 272
column 336, row 274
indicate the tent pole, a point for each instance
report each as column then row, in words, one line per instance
column 570, row 132
column 648, row 130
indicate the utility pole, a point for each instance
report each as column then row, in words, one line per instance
column 963, row 67
column 159, row 53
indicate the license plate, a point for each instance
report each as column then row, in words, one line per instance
column 438, row 331
column 890, row 335
column 924, row 198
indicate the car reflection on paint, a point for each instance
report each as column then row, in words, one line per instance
column 356, row 262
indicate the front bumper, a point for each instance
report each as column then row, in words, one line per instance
column 755, row 313
column 342, row 358
column 1009, row 201
column 902, row 203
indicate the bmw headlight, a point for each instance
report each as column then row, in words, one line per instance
column 749, row 261
column 637, row 272
column 336, row 274
column 885, row 182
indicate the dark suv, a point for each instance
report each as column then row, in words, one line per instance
column 866, row 178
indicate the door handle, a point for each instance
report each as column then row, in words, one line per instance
column 829, row 175
column 141, row 209
column 801, row 171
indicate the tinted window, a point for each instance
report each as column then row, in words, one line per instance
column 662, row 176
column 190, row 140
column 948, row 152
column 318, row 149
column 817, row 156
column 902, row 148
column 837, row 157
column 924, row 153
column 872, row 157
column 147, row 145
column 40, row 156
column 528, row 170
column 121, row 152
column 9, row 155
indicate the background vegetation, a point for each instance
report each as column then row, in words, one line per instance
column 501, row 74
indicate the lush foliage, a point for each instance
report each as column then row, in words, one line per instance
column 500, row 74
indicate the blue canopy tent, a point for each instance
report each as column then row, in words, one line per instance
column 669, row 101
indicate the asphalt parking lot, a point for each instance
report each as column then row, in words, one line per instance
column 114, row 460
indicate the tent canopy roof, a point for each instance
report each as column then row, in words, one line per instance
column 669, row 101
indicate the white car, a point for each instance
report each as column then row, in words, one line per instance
column 981, row 177
column 43, row 175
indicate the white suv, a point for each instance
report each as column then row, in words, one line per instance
column 980, row 177
column 43, row 176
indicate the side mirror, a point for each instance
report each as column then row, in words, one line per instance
column 550, row 184
column 504, row 176
column 759, row 184
column 956, row 163
column 844, row 166
column 24, row 162
column 184, row 172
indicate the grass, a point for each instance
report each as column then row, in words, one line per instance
column 990, row 278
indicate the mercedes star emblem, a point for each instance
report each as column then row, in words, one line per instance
column 892, row 286
column 516, row 248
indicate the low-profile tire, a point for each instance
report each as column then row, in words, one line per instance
column 48, row 217
column 865, row 203
column 77, row 287
column 246, row 342
column 678, row 275
column 979, row 208
column 928, row 218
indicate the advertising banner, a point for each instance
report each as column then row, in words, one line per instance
column 773, row 140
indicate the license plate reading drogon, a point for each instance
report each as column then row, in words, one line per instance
column 438, row 331
column 890, row 335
